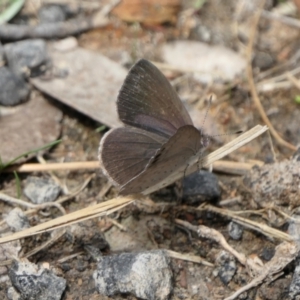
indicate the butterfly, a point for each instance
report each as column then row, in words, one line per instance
column 158, row 137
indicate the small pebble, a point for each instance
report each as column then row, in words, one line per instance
column 267, row 253
column 201, row 186
column 227, row 266
column 65, row 45
column 34, row 282
column 14, row 90
column 235, row 230
column 263, row 60
column 27, row 58
column 147, row 275
column 41, row 190
column 17, row 220
column 296, row 155
column 52, row 13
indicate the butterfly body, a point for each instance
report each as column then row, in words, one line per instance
column 158, row 138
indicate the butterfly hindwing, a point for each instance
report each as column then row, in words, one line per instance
column 125, row 152
column 173, row 155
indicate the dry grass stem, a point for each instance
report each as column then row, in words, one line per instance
column 293, row 80
column 99, row 210
column 253, row 90
column 259, row 227
column 92, row 165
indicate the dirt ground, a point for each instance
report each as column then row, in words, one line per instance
column 234, row 109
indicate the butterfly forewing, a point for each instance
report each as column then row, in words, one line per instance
column 148, row 101
column 125, row 152
column 174, row 154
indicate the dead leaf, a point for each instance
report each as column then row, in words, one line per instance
column 91, row 85
column 28, row 127
column 148, row 11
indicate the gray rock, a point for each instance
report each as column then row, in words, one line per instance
column 227, row 266
column 294, row 289
column 17, row 220
column 52, row 13
column 235, row 230
column 147, row 275
column 34, row 282
column 14, row 89
column 27, row 58
column 294, row 226
column 1, row 54
column 201, row 186
column 12, row 294
column 41, row 190
column 275, row 184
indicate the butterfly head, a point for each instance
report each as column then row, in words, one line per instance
column 205, row 140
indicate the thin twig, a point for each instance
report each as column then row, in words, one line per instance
column 189, row 257
column 13, row 32
column 15, row 201
column 259, row 227
column 284, row 254
column 293, row 22
column 212, row 234
column 293, row 80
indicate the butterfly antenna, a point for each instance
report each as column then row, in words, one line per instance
column 209, row 105
column 228, row 133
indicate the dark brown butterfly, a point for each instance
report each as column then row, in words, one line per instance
column 158, row 137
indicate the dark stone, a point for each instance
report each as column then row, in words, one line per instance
column 267, row 253
column 66, row 267
column 227, row 266
column 201, row 186
column 28, row 58
column 263, row 60
column 235, row 231
column 147, row 275
column 81, row 265
column 33, row 282
column 52, row 13
column 14, row 90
